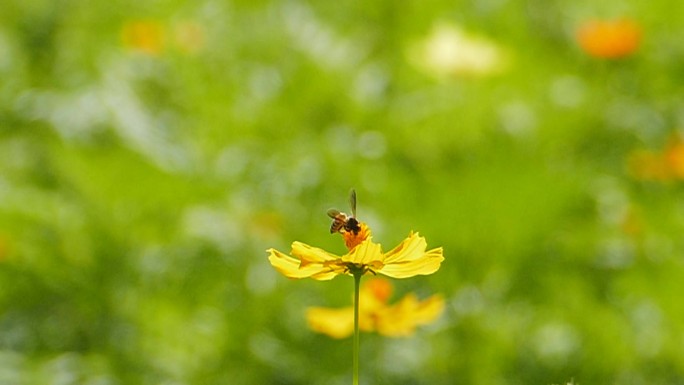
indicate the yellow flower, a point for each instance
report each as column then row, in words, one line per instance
column 408, row 259
column 375, row 314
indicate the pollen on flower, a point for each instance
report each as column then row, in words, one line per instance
column 353, row 239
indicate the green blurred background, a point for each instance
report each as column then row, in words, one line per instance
column 150, row 152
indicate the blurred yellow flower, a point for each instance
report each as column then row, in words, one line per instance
column 189, row 36
column 153, row 37
column 146, row 36
column 375, row 314
column 647, row 165
column 408, row 259
column 609, row 39
column 449, row 51
column 4, row 247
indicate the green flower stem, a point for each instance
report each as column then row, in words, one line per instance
column 357, row 284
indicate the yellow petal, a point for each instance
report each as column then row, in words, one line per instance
column 426, row 263
column 309, row 254
column 326, row 274
column 290, row 267
column 397, row 320
column 410, row 248
column 366, row 253
column 403, row 318
column 337, row 323
column 429, row 309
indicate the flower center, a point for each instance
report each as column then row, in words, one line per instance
column 354, row 238
column 358, row 268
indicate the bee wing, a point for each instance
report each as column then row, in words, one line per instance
column 352, row 202
column 332, row 213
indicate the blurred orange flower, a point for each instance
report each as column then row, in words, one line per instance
column 398, row 320
column 609, row 39
column 674, row 158
column 664, row 165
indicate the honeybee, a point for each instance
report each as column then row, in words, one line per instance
column 343, row 222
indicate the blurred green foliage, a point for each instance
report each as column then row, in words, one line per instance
column 151, row 151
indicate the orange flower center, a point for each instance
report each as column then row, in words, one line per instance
column 352, row 239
